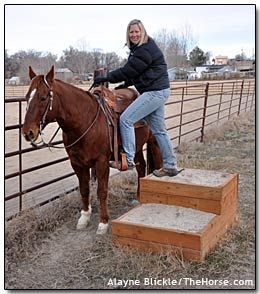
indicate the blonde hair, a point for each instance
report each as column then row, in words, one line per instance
column 144, row 36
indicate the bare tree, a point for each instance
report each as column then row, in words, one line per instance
column 175, row 45
column 161, row 38
column 41, row 62
column 97, row 58
column 112, row 60
column 71, row 59
column 82, row 45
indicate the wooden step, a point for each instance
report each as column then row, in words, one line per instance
column 160, row 227
column 204, row 190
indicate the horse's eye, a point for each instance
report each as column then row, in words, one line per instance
column 42, row 98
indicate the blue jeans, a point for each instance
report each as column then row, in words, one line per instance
column 151, row 107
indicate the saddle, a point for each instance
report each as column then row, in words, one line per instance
column 113, row 103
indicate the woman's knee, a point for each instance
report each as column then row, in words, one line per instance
column 125, row 120
column 158, row 128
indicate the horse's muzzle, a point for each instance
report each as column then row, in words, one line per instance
column 31, row 135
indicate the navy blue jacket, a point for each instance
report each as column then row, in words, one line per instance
column 146, row 69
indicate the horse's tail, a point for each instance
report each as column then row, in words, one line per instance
column 154, row 157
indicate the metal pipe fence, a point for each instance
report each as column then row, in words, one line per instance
column 190, row 111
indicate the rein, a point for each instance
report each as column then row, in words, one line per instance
column 49, row 107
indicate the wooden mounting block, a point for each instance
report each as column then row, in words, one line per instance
column 200, row 189
column 186, row 214
column 160, row 227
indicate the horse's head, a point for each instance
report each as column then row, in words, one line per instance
column 39, row 104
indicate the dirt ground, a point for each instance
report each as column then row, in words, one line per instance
column 45, row 251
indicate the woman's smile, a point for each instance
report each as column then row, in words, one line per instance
column 134, row 34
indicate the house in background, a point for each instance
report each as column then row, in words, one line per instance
column 14, row 81
column 64, row 74
column 177, row 73
column 201, row 69
column 245, row 65
column 220, row 59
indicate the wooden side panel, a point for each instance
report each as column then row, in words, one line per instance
column 230, row 195
column 180, row 189
column 229, row 184
column 217, row 231
column 164, row 192
column 145, row 246
column 219, row 225
column 158, row 235
column 206, row 205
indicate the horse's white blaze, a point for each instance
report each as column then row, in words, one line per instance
column 31, row 96
column 84, row 218
column 102, row 229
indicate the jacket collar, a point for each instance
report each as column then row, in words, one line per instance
column 133, row 47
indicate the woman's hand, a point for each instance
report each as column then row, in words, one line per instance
column 99, row 80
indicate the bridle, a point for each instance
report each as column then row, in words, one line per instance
column 48, row 108
column 49, row 104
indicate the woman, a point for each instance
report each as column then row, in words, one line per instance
column 146, row 69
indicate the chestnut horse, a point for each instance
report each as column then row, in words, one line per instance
column 85, row 132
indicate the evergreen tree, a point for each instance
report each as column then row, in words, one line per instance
column 197, row 57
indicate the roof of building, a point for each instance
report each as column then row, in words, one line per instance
column 65, row 69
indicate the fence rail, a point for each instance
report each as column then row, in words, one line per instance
column 190, row 111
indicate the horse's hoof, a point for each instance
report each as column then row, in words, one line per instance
column 84, row 219
column 102, row 229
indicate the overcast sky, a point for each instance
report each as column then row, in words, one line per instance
column 219, row 29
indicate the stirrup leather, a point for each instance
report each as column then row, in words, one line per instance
column 120, row 165
column 124, row 165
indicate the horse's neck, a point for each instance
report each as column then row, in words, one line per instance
column 76, row 108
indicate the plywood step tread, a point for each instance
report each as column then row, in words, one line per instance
column 168, row 217
column 196, row 177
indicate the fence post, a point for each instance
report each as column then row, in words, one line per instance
column 20, row 157
column 252, row 99
column 247, row 96
column 204, row 112
column 220, row 101
column 182, row 100
column 240, row 98
column 231, row 100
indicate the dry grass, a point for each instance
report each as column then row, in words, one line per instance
column 24, row 233
column 44, row 251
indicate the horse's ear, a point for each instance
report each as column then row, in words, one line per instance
column 32, row 74
column 50, row 75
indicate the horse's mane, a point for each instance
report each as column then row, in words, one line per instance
column 80, row 91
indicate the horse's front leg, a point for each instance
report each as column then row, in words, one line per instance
column 102, row 173
column 83, row 176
